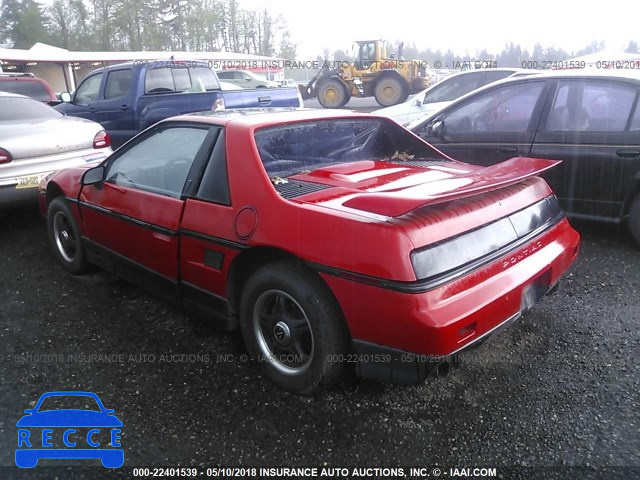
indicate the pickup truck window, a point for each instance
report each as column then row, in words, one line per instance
column 89, row 90
column 180, row 79
column 292, row 148
column 160, row 162
column 118, row 84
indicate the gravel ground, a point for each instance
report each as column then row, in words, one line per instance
column 558, row 388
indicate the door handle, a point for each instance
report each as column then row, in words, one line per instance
column 507, row 150
column 628, row 153
column 124, row 108
column 92, row 109
column 264, row 100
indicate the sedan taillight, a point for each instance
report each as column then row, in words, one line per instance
column 5, row 157
column 101, row 140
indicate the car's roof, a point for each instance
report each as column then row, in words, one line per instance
column 262, row 117
column 591, row 73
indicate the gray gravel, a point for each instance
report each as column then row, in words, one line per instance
column 558, row 388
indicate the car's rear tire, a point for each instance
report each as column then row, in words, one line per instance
column 64, row 236
column 293, row 326
column 634, row 219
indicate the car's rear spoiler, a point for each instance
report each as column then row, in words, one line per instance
column 399, row 202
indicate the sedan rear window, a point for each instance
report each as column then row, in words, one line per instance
column 16, row 108
column 30, row 88
column 292, row 148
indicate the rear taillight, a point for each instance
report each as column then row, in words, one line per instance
column 218, row 105
column 5, row 157
column 101, row 140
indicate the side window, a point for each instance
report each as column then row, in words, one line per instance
column 454, row 87
column 118, row 84
column 204, row 78
column 590, row 106
column 88, row 91
column 215, row 183
column 635, row 121
column 158, row 80
column 505, row 109
column 159, row 163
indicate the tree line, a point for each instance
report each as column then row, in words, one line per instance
column 109, row 25
column 205, row 25
column 512, row 55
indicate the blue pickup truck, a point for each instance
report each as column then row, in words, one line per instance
column 129, row 97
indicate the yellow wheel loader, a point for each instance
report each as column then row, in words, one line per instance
column 389, row 80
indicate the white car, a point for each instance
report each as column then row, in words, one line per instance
column 245, row 79
column 441, row 94
column 36, row 140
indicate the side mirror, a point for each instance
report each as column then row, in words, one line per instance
column 417, row 102
column 93, row 175
column 65, row 97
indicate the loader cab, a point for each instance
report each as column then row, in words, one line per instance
column 369, row 52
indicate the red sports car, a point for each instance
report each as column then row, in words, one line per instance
column 330, row 238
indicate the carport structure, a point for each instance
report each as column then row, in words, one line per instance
column 64, row 69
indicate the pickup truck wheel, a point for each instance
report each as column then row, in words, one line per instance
column 64, row 236
column 389, row 91
column 293, row 327
column 332, row 94
column 634, row 219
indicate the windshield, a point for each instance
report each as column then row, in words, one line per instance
column 16, row 108
column 305, row 146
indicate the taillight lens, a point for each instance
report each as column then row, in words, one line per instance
column 218, row 105
column 101, row 140
column 5, row 157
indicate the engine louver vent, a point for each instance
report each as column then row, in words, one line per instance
column 295, row 188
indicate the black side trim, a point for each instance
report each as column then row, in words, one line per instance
column 420, row 286
column 153, row 282
column 71, row 200
column 217, row 240
column 208, row 305
column 135, row 221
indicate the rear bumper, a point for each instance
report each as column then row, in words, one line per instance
column 19, row 179
column 454, row 316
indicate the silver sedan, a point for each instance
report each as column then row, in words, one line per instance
column 36, row 140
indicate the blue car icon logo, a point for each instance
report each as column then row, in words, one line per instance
column 69, row 425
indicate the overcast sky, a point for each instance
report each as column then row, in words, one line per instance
column 460, row 26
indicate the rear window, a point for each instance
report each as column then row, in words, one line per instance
column 30, row 88
column 24, row 109
column 289, row 149
column 178, row 79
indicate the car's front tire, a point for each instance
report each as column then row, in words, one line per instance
column 64, row 236
column 293, row 326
